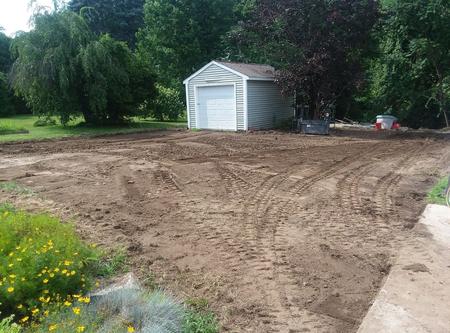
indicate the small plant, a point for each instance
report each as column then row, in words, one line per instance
column 437, row 195
column 16, row 188
column 7, row 326
column 112, row 263
column 200, row 322
column 198, row 318
column 120, row 311
column 42, row 263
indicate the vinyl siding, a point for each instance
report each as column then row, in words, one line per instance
column 216, row 75
column 267, row 108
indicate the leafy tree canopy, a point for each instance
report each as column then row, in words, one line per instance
column 180, row 36
column 119, row 18
column 63, row 69
column 412, row 76
column 5, row 56
column 317, row 44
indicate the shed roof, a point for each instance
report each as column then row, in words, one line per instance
column 246, row 71
column 253, row 71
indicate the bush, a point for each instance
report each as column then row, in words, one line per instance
column 42, row 263
column 168, row 104
column 47, row 121
column 119, row 311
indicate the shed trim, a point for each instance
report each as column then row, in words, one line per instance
column 217, row 64
column 188, row 111
column 216, row 85
column 245, row 104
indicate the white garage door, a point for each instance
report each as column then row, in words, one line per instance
column 216, row 107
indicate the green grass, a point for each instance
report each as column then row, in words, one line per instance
column 8, row 127
column 113, row 263
column 76, row 128
column 16, row 188
column 436, row 195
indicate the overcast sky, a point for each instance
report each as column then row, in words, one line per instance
column 15, row 14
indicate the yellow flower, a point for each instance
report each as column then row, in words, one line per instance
column 10, row 265
column 130, row 329
column 44, row 300
column 45, row 281
column 67, row 263
column 10, row 289
column 45, row 291
column 34, row 311
column 84, row 300
column 52, row 327
column 51, row 275
column 19, row 259
column 76, row 296
column 24, row 319
column 56, row 270
column 81, row 328
column 20, row 306
column 12, row 276
column 76, row 310
column 64, row 271
column 73, row 273
column 67, row 303
column 46, row 313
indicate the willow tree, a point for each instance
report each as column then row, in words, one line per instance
column 64, row 69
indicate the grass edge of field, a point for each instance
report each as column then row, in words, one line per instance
column 436, row 194
column 75, row 129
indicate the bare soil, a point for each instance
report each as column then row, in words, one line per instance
column 280, row 232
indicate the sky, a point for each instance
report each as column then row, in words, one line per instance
column 15, row 14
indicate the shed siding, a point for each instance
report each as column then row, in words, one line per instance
column 267, row 108
column 217, row 75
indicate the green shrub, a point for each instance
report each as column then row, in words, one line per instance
column 7, row 326
column 42, row 122
column 118, row 312
column 168, row 104
column 42, row 262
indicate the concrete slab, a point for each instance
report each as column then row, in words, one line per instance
column 416, row 294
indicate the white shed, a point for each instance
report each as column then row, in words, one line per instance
column 235, row 97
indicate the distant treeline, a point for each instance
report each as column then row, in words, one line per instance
column 110, row 60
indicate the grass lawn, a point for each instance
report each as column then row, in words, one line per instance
column 75, row 128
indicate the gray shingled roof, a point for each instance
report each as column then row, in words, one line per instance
column 253, row 71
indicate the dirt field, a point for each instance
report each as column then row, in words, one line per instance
column 280, row 232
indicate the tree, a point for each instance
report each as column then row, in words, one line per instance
column 63, row 69
column 5, row 56
column 412, row 77
column 119, row 18
column 317, row 45
column 180, row 36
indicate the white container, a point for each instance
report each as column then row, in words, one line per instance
column 385, row 121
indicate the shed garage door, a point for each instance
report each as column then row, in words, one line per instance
column 216, row 107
